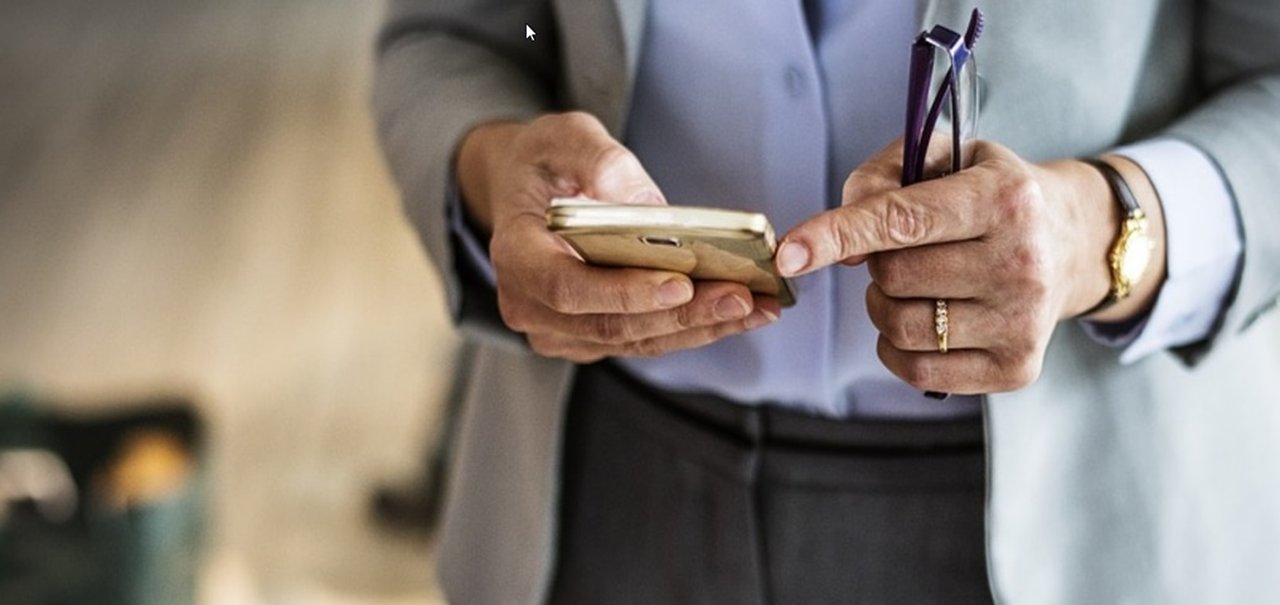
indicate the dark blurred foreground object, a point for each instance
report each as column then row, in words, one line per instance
column 102, row 509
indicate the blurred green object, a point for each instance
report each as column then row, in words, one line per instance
column 104, row 509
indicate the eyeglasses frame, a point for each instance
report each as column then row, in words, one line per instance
column 919, row 124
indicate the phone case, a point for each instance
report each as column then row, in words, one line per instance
column 703, row 243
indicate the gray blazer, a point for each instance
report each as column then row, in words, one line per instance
column 1156, row 482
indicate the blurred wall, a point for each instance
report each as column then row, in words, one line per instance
column 192, row 202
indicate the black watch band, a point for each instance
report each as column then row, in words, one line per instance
column 1118, row 185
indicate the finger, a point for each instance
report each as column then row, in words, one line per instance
column 883, row 172
column 958, row 207
column 908, row 324
column 964, row 372
column 560, row 346
column 954, row 270
column 580, row 351
column 698, row 337
column 713, row 302
column 531, row 262
column 937, row 211
column 577, row 147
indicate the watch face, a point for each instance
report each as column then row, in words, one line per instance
column 1133, row 254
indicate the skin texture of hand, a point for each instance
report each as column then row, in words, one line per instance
column 509, row 172
column 1013, row 247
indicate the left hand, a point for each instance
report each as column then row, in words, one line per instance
column 1013, row 248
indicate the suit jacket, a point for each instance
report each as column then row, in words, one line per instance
column 1155, row 482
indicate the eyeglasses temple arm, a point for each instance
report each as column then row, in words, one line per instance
column 917, row 97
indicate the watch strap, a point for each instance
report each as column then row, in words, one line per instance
column 1120, row 187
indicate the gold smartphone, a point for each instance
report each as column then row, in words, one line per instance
column 703, row 243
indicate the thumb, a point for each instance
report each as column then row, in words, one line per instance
column 595, row 164
column 617, row 176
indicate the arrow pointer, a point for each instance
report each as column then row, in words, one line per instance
column 528, row 32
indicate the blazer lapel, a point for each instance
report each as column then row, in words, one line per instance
column 631, row 19
column 628, row 21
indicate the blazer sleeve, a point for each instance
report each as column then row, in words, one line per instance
column 443, row 67
column 1238, row 127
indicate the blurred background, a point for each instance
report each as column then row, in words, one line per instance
column 194, row 216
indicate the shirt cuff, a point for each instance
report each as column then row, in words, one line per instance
column 473, row 247
column 1202, row 246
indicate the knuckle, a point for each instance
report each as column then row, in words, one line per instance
column 1019, row 198
column 560, row 122
column 1018, row 365
column 836, row 235
column 545, row 122
column 919, row 373
column 610, row 329
column 609, row 162
column 903, row 223
column 1026, row 259
column 876, row 309
column 559, row 293
column 576, row 118
column 1023, row 373
column 514, row 311
column 1029, row 266
column 543, row 346
column 683, row 317
column 1036, row 289
column 500, row 250
column 549, row 346
column 650, row 347
column 850, row 186
column 725, row 329
column 618, row 296
column 899, row 329
column 887, row 272
column 865, row 179
column 582, row 356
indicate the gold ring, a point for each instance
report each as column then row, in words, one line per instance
column 940, row 324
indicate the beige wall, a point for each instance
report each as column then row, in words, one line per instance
column 191, row 201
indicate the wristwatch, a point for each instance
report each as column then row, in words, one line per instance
column 1131, row 251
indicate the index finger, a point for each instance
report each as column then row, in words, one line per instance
column 954, row 208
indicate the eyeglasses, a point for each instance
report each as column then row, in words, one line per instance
column 958, row 94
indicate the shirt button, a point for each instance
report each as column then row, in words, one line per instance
column 795, row 81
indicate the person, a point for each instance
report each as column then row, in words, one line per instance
column 633, row 436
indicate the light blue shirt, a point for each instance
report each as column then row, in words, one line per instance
column 740, row 105
column 768, row 105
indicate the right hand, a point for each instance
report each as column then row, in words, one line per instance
column 508, row 174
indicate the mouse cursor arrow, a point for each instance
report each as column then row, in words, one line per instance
column 528, row 32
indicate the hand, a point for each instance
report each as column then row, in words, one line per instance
column 508, row 173
column 1013, row 248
